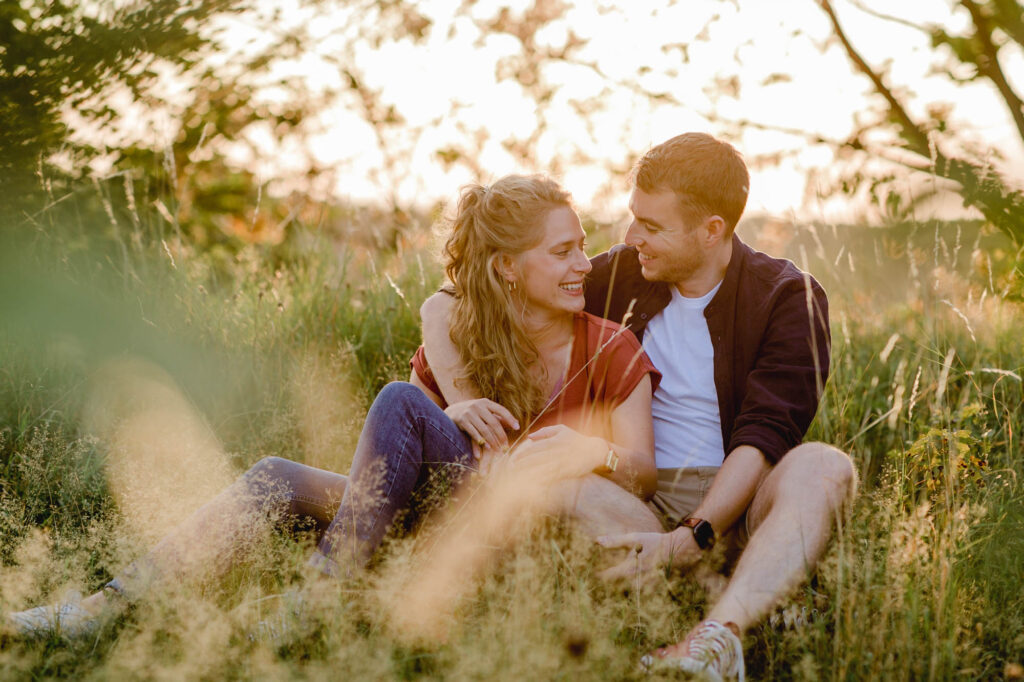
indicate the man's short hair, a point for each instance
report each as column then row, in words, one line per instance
column 706, row 174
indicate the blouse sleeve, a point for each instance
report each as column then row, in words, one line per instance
column 620, row 363
column 422, row 369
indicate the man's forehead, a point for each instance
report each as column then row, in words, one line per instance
column 656, row 201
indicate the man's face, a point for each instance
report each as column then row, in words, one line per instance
column 670, row 249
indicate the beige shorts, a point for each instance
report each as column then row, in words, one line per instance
column 680, row 492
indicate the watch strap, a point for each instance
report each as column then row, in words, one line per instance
column 703, row 532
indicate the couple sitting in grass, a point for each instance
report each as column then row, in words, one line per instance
column 526, row 373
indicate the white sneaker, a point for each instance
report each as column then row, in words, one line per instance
column 711, row 652
column 67, row 620
column 291, row 611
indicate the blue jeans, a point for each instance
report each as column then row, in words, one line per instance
column 408, row 450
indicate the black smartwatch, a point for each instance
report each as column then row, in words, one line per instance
column 703, row 533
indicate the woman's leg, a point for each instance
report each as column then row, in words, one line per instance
column 406, row 441
column 209, row 541
column 273, row 491
column 407, row 445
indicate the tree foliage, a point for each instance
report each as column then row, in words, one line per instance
column 59, row 59
column 966, row 56
column 63, row 67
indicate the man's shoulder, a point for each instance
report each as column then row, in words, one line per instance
column 769, row 271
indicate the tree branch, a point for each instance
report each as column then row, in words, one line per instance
column 913, row 134
column 1010, row 17
column 990, row 67
column 888, row 17
column 980, row 186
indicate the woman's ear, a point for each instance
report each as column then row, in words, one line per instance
column 506, row 267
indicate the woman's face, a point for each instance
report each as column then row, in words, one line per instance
column 550, row 275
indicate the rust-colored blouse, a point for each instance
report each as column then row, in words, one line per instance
column 607, row 364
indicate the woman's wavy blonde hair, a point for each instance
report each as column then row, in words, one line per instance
column 506, row 218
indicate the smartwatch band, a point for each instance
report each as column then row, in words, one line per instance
column 703, row 533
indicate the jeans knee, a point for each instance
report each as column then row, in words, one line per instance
column 398, row 397
column 399, row 390
column 265, row 466
column 266, row 475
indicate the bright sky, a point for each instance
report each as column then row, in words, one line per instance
column 772, row 50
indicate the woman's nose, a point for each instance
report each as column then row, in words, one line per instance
column 582, row 264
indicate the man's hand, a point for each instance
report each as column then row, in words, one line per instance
column 484, row 421
column 557, row 453
column 651, row 551
column 489, row 461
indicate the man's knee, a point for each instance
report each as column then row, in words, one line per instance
column 821, row 464
column 398, row 403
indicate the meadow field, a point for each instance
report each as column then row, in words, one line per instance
column 140, row 374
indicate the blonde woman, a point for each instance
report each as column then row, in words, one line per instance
column 571, row 393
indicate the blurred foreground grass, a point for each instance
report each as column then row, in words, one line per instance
column 219, row 358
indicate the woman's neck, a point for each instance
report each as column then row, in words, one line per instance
column 552, row 337
column 551, row 333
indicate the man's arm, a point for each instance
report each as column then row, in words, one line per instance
column 729, row 496
column 784, row 387
column 731, row 490
column 415, row 380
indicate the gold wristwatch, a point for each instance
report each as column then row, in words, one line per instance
column 611, row 460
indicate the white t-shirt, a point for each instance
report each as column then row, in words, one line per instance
column 687, row 425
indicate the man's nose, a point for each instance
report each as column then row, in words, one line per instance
column 631, row 238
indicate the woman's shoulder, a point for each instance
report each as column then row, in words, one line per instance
column 602, row 331
column 615, row 360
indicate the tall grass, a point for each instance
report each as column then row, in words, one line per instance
column 279, row 351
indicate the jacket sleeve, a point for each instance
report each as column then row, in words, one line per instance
column 788, row 378
column 597, row 281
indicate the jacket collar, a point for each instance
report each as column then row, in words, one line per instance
column 731, row 281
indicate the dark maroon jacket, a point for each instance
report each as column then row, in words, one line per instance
column 769, row 329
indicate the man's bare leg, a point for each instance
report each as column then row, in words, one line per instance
column 791, row 519
column 602, row 507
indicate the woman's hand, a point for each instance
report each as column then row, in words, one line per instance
column 484, row 421
column 557, row 453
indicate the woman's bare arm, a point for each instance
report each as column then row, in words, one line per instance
column 559, row 452
column 633, row 440
column 442, row 355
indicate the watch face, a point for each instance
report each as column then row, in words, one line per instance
column 704, row 534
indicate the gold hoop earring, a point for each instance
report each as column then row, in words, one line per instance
column 512, row 285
